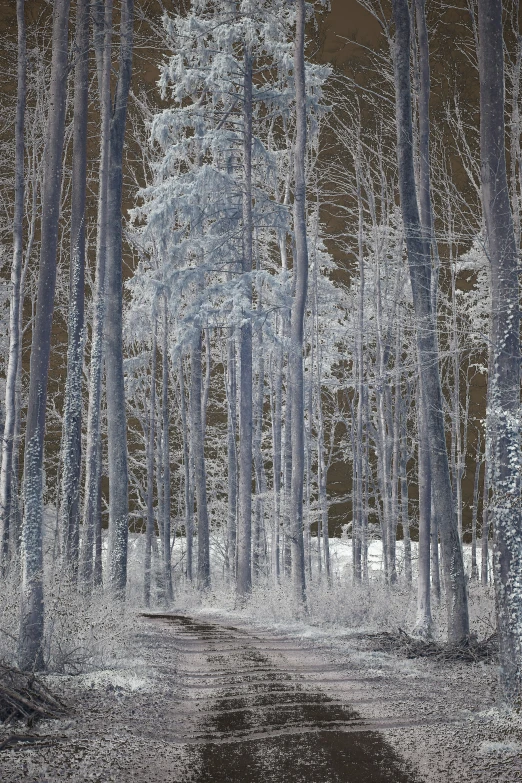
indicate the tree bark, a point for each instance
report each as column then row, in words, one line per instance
column 296, row 369
column 232, row 455
column 8, row 443
column 198, row 452
column 420, row 275
column 91, row 509
column 151, row 436
column 167, row 564
column 244, row 534
column 116, row 417
column 30, row 653
column 72, row 417
column 503, row 428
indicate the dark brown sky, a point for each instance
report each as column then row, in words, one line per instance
column 347, row 20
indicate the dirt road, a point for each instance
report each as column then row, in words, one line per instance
column 258, row 721
column 199, row 700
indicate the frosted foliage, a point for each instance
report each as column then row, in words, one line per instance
column 190, row 219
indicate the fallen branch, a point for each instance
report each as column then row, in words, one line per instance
column 471, row 651
column 24, row 697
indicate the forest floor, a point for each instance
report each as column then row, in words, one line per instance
column 208, row 698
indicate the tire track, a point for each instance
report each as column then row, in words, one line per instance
column 249, row 718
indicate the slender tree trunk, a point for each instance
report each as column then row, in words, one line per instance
column 420, row 275
column 244, row 537
column 189, row 497
column 296, row 368
column 258, row 457
column 503, row 427
column 198, row 450
column 93, row 455
column 30, row 654
column 423, row 624
column 167, row 564
column 405, row 520
column 277, row 394
column 151, row 437
column 474, row 512
column 232, row 454
column 15, row 335
column 72, row 417
column 116, row 417
column 484, row 544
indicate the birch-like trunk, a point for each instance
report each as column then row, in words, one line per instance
column 15, row 342
column 30, row 653
column 296, row 368
column 72, row 416
column 420, row 275
column 116, row 416
column 503, row 427
column 90, row 558
column 244, row 533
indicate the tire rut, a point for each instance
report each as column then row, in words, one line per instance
column 251, row 720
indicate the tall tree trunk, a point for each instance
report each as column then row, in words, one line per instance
column 277, row 394
column 405, row 520
column 151, row 437
column 296, row 369
column 244, row 537
column 503, row 427
column 258, row 456
column 72, row 418
column 198, row 451
column 232, row 454
column 474, row 512
column 484, row 544
column 93, row 456
column 116, row 417
column 8, row 443
column 423, row 623
column 420, row 275
column 30, row 654
column 187, row 484
column 167, row 564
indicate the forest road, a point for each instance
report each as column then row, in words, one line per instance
column 251, row 717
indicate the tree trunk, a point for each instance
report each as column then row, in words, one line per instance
column 420, row 275
column 474, row 512
column 198, row 451
column 72, row 417
column 116, row 416
column 93, row 456
column 296, row 369
column 503, row 427
column 423, row 623
column 151, row 436
column 167, row 564
column 8, row 444
column 189, row 496
column 244, row 537
column 484, row 544
column 232, row 455
column 30, row 654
